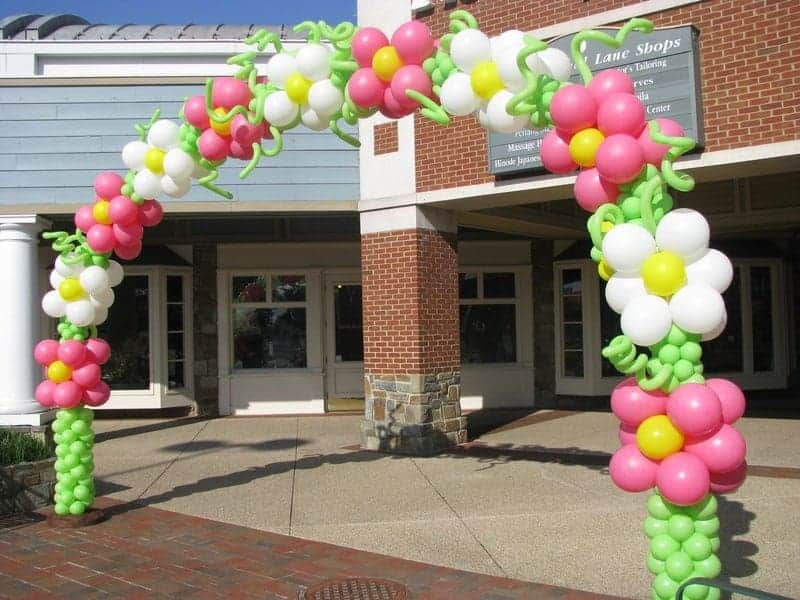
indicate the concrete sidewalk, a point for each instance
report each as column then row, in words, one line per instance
column 531, row 500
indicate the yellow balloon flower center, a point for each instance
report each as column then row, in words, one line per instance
column 297, row 88
column 58, row 372
column 154, row 160
column 386, row 62
column 604, row 270
column 220, row 128
column 657, row 437
column 606, row 226
column 664, row 273
column 100, row 212
column 485, row 79
column 583, row 146
column 70, row 289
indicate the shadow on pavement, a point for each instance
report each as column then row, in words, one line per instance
column 735, row 554
column 148, row 428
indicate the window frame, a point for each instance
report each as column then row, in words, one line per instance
column 185, row 393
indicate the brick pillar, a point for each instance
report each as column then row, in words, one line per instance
column 409, row 269
column 206, row 382
column 544, row 365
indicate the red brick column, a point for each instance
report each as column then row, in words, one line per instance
column 411, row 341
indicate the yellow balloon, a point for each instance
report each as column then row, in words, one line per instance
column 486, row 81
column 70, row 289
column 657, row 437
column 606, row 226
column 220, row 128
column 583, row 146
column 154, row 160
column 58, row 372
column 385, row 62
column 604, row 270
column 664, row 273
column 297, row 88
column 100, row 212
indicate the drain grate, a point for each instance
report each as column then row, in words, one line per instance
column 361, row 588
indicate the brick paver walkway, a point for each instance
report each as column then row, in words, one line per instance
column 143, row 552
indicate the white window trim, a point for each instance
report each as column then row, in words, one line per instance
column 184, row 395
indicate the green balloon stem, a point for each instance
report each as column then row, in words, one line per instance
column 72, row 431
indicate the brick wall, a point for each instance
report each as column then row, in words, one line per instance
column 749, row 53
column 385, row 138
column 410, row 302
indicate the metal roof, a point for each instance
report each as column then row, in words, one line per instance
column 73, row 27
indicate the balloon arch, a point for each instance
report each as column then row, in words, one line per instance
column 676, row 428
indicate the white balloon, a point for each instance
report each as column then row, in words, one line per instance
column 314, row 121
column 115, row 273
column 620, row 290
column 483, row 116
column 325, row 98
column 279, row 109
column 164, row 134
column 457, row 96
column 66, row 270
column 697, row 308
column 508, row 70
column 501, row 43
column 100, row 315
column 313, row 62
column 53, row 304
column 147, row 184
column 56, row 278
column 557, row 64
column 94, row 278
column 103, row 297
column 470, row 47
column 279, row 68
column 536, row 64
column 646, row 320
column 626, row 246
column 178, row 164
column 713, row 268
column 198, row 172
column 80, row 312
column 133, row 154
column 717, row 331
column 499, row 119
column 685, row 232
column 175, row 188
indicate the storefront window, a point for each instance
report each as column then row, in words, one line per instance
column 349, row 329
column 176, row 358
column 571, row 286
column 488, row 315
column 723, row 354
column 761, row 298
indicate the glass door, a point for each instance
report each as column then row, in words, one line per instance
column 344, row 344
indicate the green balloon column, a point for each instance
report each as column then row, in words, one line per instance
column 74, row 491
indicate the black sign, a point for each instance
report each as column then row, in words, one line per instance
column 665, row 69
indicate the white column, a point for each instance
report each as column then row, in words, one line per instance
column 20, row 308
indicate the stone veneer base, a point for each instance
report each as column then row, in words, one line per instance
column 416, row 414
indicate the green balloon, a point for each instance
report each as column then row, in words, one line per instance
column 714, row 543
column 710, row 567
column 657, row 508
column 669, row 354
column 68, row 436
column 437, row 77
column 691, row 351
column 59, row 488
column 82, row 493
column 714, row 594
column 77, row 508
column 60, row 466
column 78, row 448
column 630, row 208
column 683, row 369
column 71, row 461
column 698, row 547
column 662, row 546
column 654, row 565
column 708, row 527
column 66, row 497
column 705, row 509
column 88, row 439
column 60, row 426
column 654, row 527
column 67, row 479
column 86, row 414
column 87, row 481
column 80, row 427
column 79, row 472
column 654, row 365
column 664, row 587
column 66, row 415
column 62, row 450
column 679, row 566
column 681, row 527
column 61, row 509
column 696, row 592
column 429, row 64
column 676, row 336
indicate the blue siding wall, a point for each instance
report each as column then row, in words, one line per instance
column 54, row 140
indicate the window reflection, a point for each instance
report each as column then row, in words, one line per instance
column 269, row 338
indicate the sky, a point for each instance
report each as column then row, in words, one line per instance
column 200, row 12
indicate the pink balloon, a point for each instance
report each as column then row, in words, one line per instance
column 627, row 434
column 631, row 471
column 592, row 191
column 695, row 409
column 244, row 132
column 128, row 235
column 123, row 211
column 731, row 398
column 72, row 353
column 632, row 404
column 555, row 153
column 87, row 376
column 108, row 185
column 150, row 213
column 621, row 113
column 228, row 92
column 241, row 151
column 101, row 238
column 410, row 77
column 97, row 395
column 723, row 483
column 84, row 218
column 128, row 252
column 721, row 452
column 46, row 352
column 67, row 394
column 366, row 42
column 44, row 393
column 654, row 153
column 366, row 88
column 683, row 479
column 194, row 110
column 620, row 158
column 213, row 146
column 392, row 108
column 98, row 350
column 609, row 82
column 573, row 108
column 413, row 42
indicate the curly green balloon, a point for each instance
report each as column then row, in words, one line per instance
column 679, row 146
column 622, row 353
column 637, row 24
